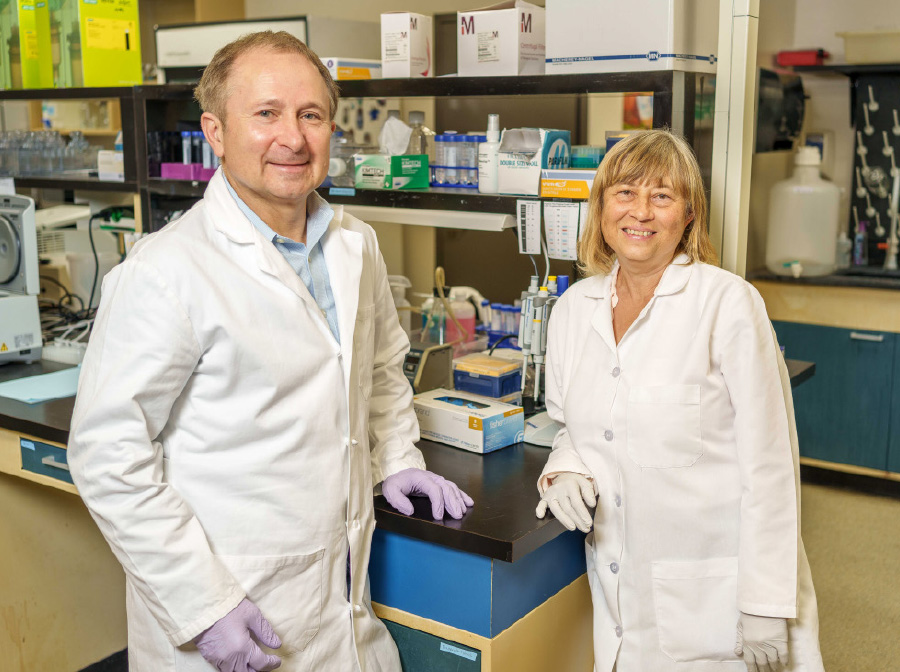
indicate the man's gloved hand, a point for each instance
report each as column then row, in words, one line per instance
column 228, row 647
column 763, row 642
column 566, row 497
column 442, row 493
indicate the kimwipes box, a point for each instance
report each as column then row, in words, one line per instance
column 468, row 421
column 614, row 36
column 503, row 39
column 406, row 45
column 525, row 152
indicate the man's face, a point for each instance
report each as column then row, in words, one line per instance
column 274, row 143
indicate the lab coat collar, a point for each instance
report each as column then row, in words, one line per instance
column 673, row 280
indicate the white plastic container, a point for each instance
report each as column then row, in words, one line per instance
column 489, row 158
column 399, row 284
column 803, row 220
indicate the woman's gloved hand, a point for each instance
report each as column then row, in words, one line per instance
column 763, row 643
column 443, row 494
column 568, row 498
column 228, row 646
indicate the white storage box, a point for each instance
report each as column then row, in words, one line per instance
column 468, row 421
column 406, row 45
column 503, row 39
column 110, row 165
column 872, row 47
column 525, row 152
column 615, row 36
column 342, row 69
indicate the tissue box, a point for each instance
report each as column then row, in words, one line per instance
column 524, row 152
column 110, row 165
column 504, row 39
column 352, row 68
column 567, row 183
column 409, row 171
column 406, row 45
column 468, row 421
column 373, row 171
column 629, row 36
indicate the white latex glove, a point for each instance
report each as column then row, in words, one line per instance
column 566, row 497
column 763, row 642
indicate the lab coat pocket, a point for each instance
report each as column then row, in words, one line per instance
column 364, row 349
column 664, row 426
column 696, row 609
column 288, row 591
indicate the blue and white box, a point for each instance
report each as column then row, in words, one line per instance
column 468, row 421
column 615, row 36
column 525, row 152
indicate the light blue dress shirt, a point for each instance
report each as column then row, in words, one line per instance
column 307, row 260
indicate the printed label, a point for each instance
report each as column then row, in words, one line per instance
column 489, row 46
column 396, row 47
column 23, row 341
column 456, row 651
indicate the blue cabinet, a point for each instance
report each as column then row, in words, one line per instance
column 893, row 458
column 844, row 412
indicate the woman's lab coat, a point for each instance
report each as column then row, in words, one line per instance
column 687, row 428
column 227, row 445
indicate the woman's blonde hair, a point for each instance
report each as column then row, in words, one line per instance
column 212, row 92
column 650, row 157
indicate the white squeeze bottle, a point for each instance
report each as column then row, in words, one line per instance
column 489, row 157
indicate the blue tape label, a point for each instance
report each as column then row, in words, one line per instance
column 341, row 191
column 24, row 443
column 456, row 651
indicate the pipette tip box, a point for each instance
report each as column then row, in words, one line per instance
column 487, row 376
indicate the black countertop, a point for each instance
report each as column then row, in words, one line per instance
column 873, row 278
column 503, row 484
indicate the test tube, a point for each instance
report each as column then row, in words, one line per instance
column 471, row 161
column 197, row 146
column 186, row 147
column 439, row 176
column 496, row 317
column 451, row 157
column 473, row 171
column 207, row 154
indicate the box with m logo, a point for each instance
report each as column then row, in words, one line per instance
column 503, row 39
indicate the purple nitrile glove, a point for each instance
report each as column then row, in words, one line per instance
column 228, row 646
column 442, row 493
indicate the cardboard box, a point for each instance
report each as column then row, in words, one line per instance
column 373, row 171
column 110, row 165
column 468, row 421
column 567, row 183
column 409, row 171
column 406, row 45
column 631, row 36
column 525, row 152
column 25, row 27
column 342, row 69
column 503, row 39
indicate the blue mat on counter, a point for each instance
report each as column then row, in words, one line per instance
column 46, row 386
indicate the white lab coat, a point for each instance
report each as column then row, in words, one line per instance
column 687, row 428
column 227, row 445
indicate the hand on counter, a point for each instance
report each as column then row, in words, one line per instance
column 443, row 494
column 568, row 498
column 228, row 646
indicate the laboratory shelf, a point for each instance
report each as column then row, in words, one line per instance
column 459, row 200
column 179, row 188
column 68, row 94
column 66, row 184
column 851, row 69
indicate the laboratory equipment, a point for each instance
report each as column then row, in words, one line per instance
column 486, row 375
column 489, row 157
column 890, row 258
column 541, row 429
column 803, row 220
column 428, row 366
column 20, row 322
column 421, row 139
column 399, row 284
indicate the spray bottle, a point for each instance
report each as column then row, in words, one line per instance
column 489, row 158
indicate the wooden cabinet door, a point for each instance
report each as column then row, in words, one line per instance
column 844, row 411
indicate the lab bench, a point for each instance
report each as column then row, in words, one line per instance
column 499, row 590
column 848, row 418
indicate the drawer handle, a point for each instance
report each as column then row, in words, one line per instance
column 50, row 462
column 874, row 338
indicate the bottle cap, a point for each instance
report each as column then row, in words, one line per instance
column 493, row 129
column 416, row 117
column 807, row 156
column 562, row 284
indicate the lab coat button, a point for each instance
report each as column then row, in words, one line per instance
column 618, row 631
column 614, row 568
column 355, row 524
column 354, row 442
column 358, row 608
column 616, row 371
column 618, row 500
column 608, row 435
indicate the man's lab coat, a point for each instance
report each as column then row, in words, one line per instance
column 687, row 428
column 227, row 445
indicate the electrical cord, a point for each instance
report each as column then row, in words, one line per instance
column 499, row 341
column 113, row 214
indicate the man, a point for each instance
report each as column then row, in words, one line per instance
column 242, row 393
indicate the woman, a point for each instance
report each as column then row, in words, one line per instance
column 675, row 415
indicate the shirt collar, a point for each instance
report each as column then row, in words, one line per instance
column 673, row 279
column 319, row 214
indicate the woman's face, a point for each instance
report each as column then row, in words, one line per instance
column 643, row 224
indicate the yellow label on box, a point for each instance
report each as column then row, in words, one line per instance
column 31, row 44
column 475, row 423
column 514, row 411
column 113, row 34
column 564, row 189
column 346, row 72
